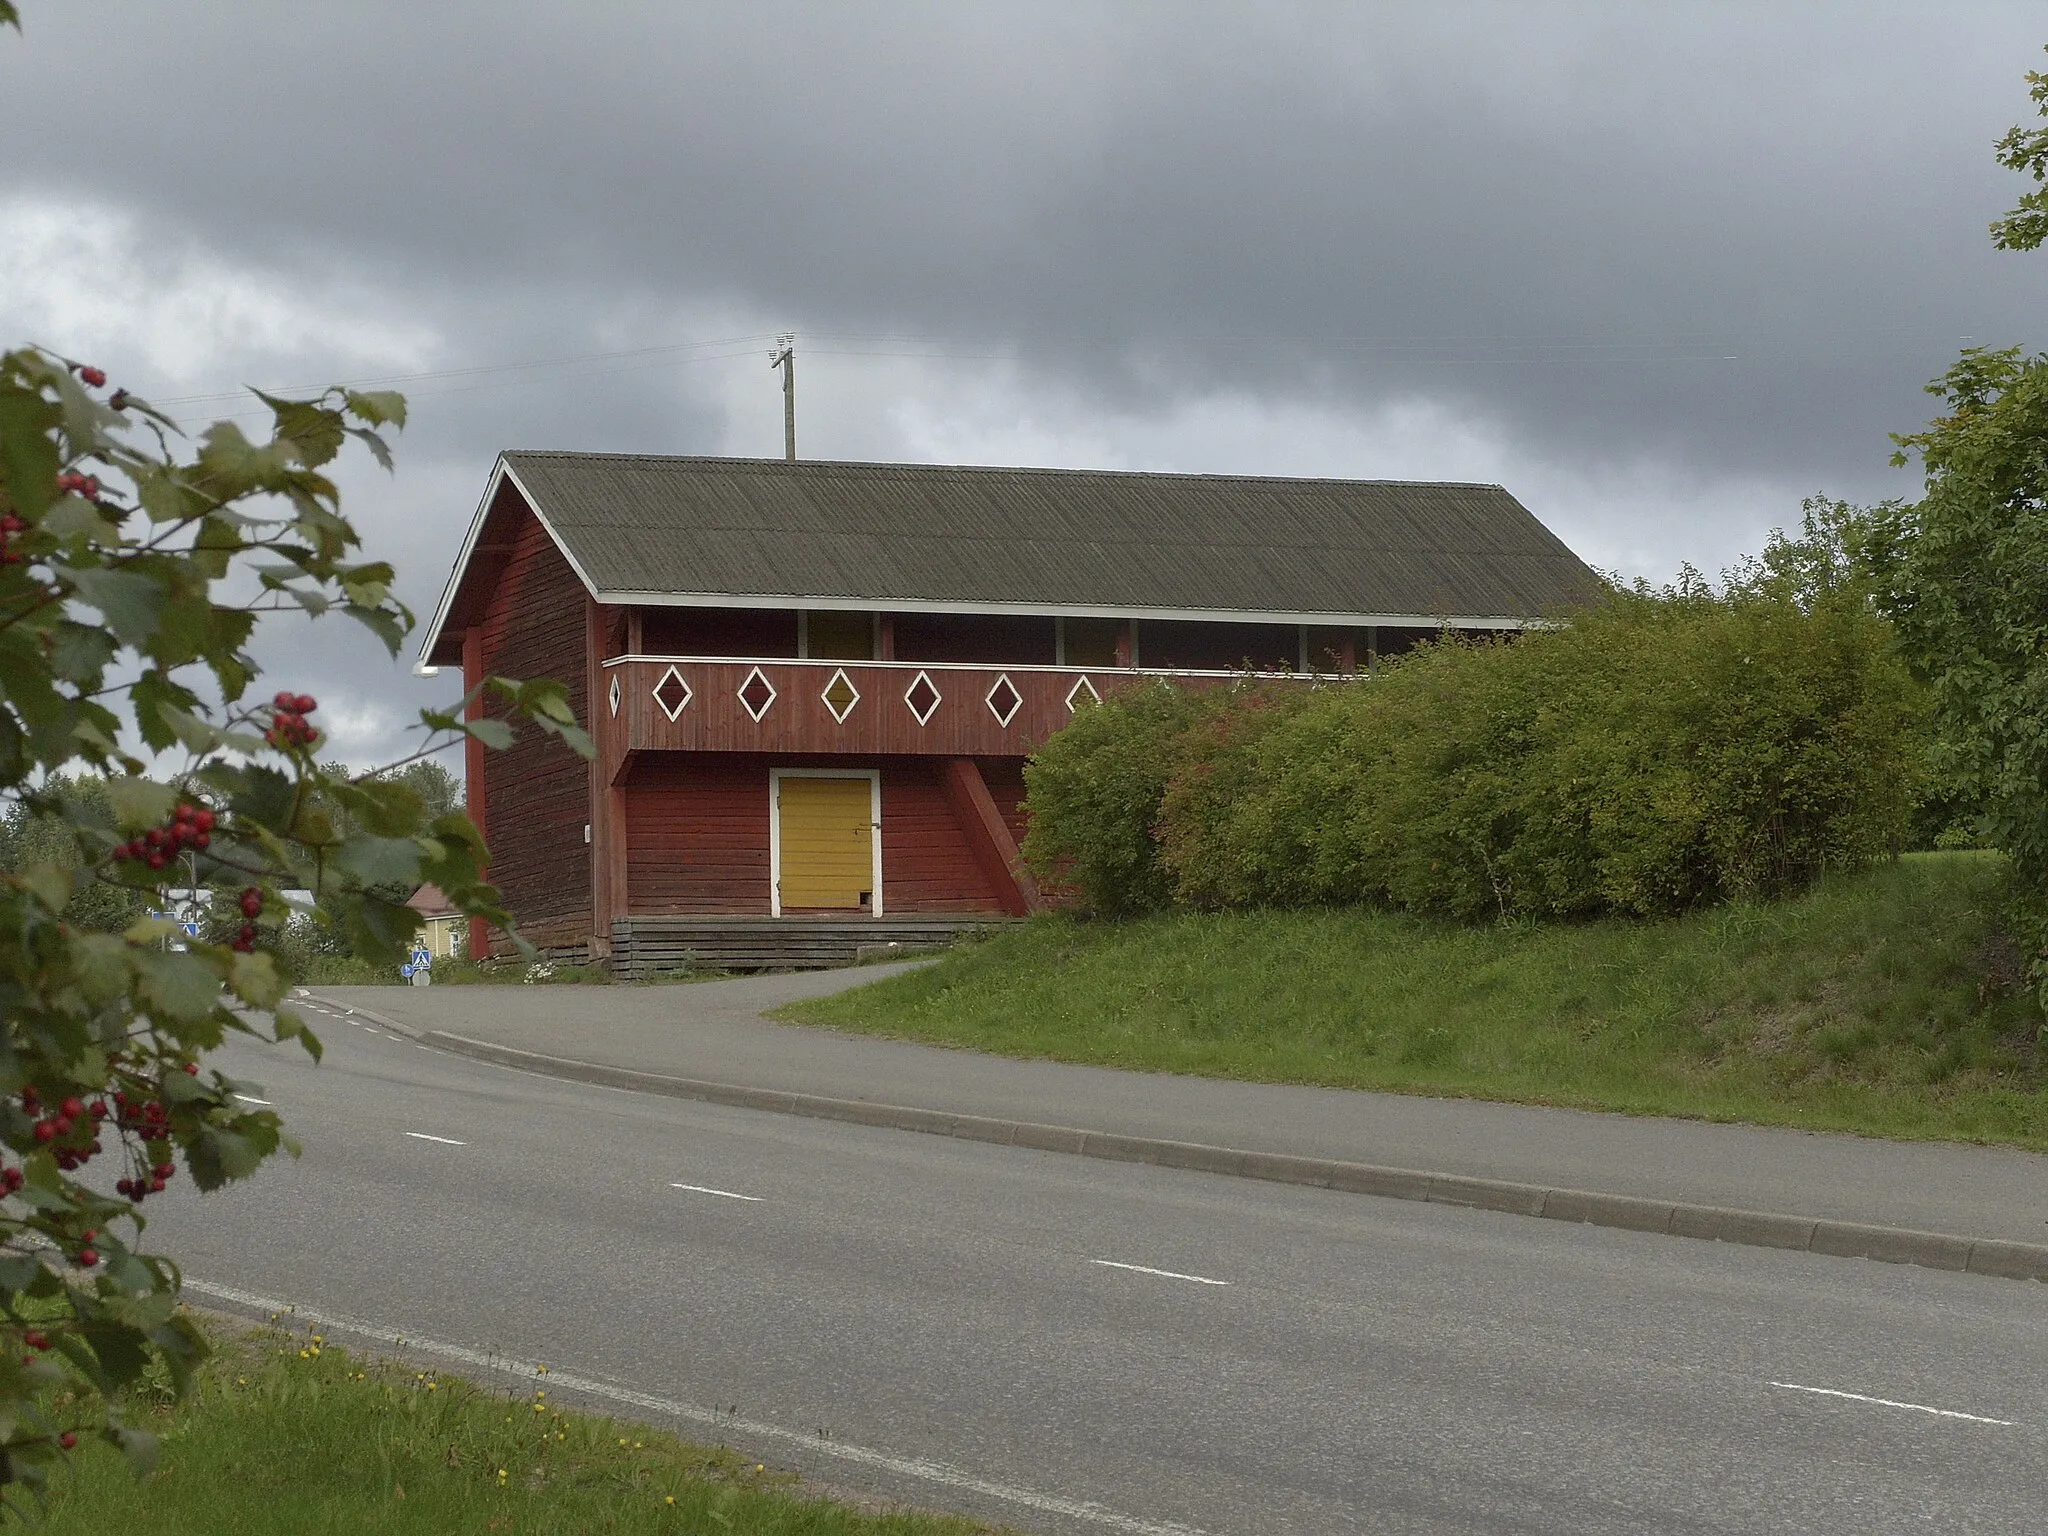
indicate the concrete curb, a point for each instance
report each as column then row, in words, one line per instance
column 1758, row 1229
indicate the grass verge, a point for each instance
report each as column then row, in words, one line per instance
column 1885, row 1002
column 347, row 971
column 286, row 1434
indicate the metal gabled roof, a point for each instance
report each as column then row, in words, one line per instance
column 761, row 532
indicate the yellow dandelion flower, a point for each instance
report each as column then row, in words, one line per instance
column 670, row 1499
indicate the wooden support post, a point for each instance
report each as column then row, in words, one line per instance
column 1347, row 652
column 885, row 637
column 995, row 850
column 475, row 800
column 598, row 806
column 1127, row 642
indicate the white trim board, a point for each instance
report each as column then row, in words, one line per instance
column 775, row 778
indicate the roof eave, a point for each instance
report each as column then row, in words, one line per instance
column 780, row 600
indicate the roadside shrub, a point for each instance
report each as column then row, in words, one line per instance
column 1664, row 750
column 1094, row 790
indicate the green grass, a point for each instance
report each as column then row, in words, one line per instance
column 288, row 1436
column 347, row 971
column 1885, row 1002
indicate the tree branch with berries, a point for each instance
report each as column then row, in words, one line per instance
column 126, row 557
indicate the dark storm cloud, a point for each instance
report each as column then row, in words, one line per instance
column 1567, row 219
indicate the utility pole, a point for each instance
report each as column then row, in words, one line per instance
column 784, row 357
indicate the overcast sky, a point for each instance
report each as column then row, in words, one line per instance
column 1661, row 270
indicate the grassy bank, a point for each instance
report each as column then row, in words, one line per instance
column 287, row 1435
column 1885, row 1002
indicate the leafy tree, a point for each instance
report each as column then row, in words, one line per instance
column 136, row 753
column 1964, row 573
column 27, row 839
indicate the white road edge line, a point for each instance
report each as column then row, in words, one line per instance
column 706, row 1189
column 1170, row 1274
column 446, row 1141
column 250, row 1098
column 1888, row 1402
column 927, row 1471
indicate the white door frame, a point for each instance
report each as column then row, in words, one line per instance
column 775, row 778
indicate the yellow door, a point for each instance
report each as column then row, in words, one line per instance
column 827, row 837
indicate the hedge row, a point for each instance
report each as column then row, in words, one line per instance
column 1661, row 751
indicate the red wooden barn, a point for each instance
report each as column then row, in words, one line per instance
column 814, row 685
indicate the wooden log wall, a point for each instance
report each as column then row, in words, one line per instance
column 697, row 834
column 537, row 791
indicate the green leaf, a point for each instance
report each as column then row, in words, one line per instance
column 255, row 980
column 79, row 653
column 217, row 1156
column 28, row 450
column 380, row 860
column 290, row 1026
column 140, row 803
column 49, row 884
column 495, row 734
column 132, row 602
column 180, row 987
column 378, row 407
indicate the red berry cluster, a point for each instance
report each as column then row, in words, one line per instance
column 150, row 1121
column 92, row 376
column 11, row 525
column 190, row 826
column 288, row 727
column 73, row 1123
column 252, row 908
column 87, row 486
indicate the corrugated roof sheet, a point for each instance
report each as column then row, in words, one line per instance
column 1063, row 539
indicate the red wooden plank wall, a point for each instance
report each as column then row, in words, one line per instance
column 697, row 834
column 537, row 792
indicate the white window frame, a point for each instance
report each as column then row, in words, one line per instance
column 775, row 778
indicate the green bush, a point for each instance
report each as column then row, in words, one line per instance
column 1094, row 792
column 1661, row 751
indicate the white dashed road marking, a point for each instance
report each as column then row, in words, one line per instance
column 706, row 1189
column 1168, row 1274
column 446, row 1141
column 1888, row 1402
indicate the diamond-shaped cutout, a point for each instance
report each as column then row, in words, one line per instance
column 1083, row 692
column 923, row 697
column 840, row 695
column 1004, row 700
column 614, row 693
column 672, row 693
column 757, row 694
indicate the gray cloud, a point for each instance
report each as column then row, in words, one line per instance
column 1722, row 245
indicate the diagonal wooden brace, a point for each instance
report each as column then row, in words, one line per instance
column 995, row 850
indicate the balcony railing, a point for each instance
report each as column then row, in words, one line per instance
column 716, row 704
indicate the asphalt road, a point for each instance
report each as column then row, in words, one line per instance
column 1060, row 1344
